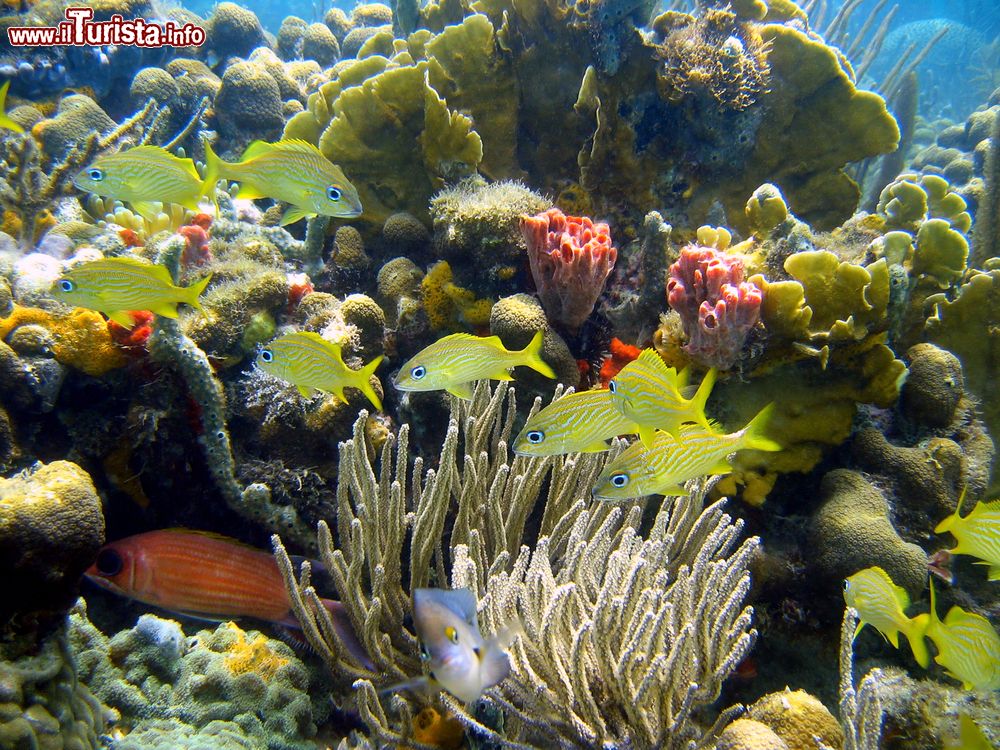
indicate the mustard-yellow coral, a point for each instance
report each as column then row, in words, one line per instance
column 80, row 339
column 450, row 307
column 254, row 655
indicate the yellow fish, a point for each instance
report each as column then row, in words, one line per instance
column 5, row 121
column 649, row 393
column 578, row 423
column 978, row 534
column 291, row 171
column 457, row 656
column 144, row 177
column 970, row 736
column 455, row 362
column 664, row 468
column 882, row 604
column 310, row 362
column 967, row 646
column 115, row 285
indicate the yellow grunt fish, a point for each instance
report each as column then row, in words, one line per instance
column 455, row 362
column 310, row 362
column 144, row 176
column 978, row 534
column 115, row 285
column 663, row 469
column 578, row 423
column 5, row 121
column 967, row 646
column 291, row 171
column 648, row 392
column 882, row 604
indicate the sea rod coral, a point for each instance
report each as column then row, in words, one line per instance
column 675, row 590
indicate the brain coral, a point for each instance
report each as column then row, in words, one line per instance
column 51, row 526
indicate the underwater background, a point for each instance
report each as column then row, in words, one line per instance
column 500, row 374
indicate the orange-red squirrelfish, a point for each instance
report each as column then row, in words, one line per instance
column 207, row 576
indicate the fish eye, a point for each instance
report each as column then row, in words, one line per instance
column 95, row 174
column 535, row 437
column 109, row 562
column 613, row 386
column 619, row 480
column 66, row 285
column 333, row 193
column 451, row 634
column 418, row 372
column 266, row 356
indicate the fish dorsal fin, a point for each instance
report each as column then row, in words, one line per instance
column 255, row 149
column 159, row 272
column 214, row 535
column 316, row 339
column 993, row 506
column 651, row 358
column 289, row 145
column 472, row 337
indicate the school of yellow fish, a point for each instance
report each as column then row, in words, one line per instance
column 967, row 645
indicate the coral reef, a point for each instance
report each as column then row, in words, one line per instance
column 44, row 705
column 686, row 569
column 50, row 530
column 166, row 687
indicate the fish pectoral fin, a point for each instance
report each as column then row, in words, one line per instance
column 675, row 490
column 722, row 467
column 148, row 209
column 293, row 214
column 647, row 435
column 167, row 310
column 595, row 447
column 994, row 573
column 249, row 192
column 122, row 318
column 461, row 390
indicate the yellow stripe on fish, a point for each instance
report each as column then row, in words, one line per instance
column 5, row 121
column 145, row 177
column 648, row 392
column 580, row 422
column 455, row 362
column 292, row 171
column 882, row 604
column 310, row 363
column 664, row 468
column 115, row 285
column 978, row 534
column 968, row 646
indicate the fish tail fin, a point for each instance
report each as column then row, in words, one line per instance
column 753, row 433
column 345, row 632
column 214, row 168
column 914, row 631
column 531, row 356
column 5, row 121
column 362, row 382
column 949, row 523
column 193, row 292
column 700, row 398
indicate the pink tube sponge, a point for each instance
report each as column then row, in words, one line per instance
column 570, row 259
column 717, row 307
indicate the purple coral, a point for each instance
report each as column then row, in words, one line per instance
column 717, row 307
column 570, row 259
